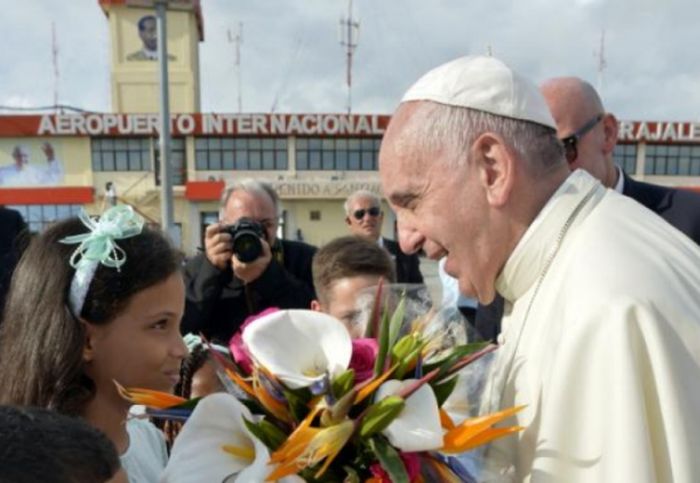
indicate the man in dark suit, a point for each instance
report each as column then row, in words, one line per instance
column 222, row 290
column 364, row 217
column 589, row 135
column 12, row 226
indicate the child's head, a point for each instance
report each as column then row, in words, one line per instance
column 127, row 329
column 344, row 267
column 198, row 372
column 41, row 445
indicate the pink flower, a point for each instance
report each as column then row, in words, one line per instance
column 364, row 353
column 410, row 461
column 238, row 350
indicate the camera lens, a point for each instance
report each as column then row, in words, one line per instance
column 247, row 246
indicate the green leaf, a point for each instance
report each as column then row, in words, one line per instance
column 268, row 434
column 380, row 415
column 343, row 383
column 372, row 330
column 351, row 475
column 407, row 362
column 397, row 319
column 383, row 343
column 297, row 404
column 389, row 459
column 454, row 356
column 443, row 391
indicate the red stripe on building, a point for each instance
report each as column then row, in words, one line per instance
column 64, row 195
column 204, row 190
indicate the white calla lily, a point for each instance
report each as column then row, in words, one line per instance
column 198, row 453
column 299, row 346
column 417, row 427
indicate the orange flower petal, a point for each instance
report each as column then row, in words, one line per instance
column 371, row 386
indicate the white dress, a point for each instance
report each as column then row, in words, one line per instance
column 601, row 341
column 146, row 456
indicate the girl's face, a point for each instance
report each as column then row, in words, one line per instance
column 142, row 346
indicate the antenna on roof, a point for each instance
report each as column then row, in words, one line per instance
column 238, row 40
column 602, row 63
column 349, row 33
column 54, row 57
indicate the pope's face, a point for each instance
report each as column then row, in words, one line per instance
column 440, row 208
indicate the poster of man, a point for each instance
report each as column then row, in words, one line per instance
column 148, row 33
column 23, row 173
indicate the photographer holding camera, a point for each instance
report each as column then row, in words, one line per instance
column 245, row 268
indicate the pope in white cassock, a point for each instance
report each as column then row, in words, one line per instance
column 601, row 333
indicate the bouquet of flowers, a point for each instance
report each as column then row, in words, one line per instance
column 314, row 405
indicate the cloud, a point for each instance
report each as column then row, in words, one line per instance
column 292, row 61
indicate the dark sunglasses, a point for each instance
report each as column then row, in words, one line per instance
column 373, row 212
column 571, row 142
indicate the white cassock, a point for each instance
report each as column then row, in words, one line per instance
column 601, row 340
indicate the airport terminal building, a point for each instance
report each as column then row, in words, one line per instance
column 314, row 161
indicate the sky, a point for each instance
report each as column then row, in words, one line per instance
column 291, row 60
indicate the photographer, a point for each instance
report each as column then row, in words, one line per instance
column 245, row 268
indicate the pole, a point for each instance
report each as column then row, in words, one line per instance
column 166, row 178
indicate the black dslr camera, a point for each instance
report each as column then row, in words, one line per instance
column 245, row 239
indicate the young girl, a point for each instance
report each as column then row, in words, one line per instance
column 80, row 317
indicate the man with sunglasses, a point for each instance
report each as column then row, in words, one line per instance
column 364, row 217
column 589, row 135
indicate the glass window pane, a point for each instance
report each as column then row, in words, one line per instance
column 108, row 161
column 673, row 150
column 214, row 159
column 695, row 167
column 227, row 143
column 228, row 160
column 242, row 160
column 241, row 143
column 302, row 159
column 107, row 143
column 50, row 212
column 302, row 143
column 314, row 143
column 367, row 161
column 200, row 143
column 672, row 166
column 368, row 144
column 328, row 144
column 660, row 167
column 281, row 143
column 214, row 143
column 268, row 144
column 684, row 166
column 121, row 144
column 341, row 144
column 255, row 143
column 282, row 161
column 327, row 160
column 63, row 211
column 314, row 160
column 354, row 161
column 341, row 160
column 268, row 160
column 354, row 144
column 255, row 160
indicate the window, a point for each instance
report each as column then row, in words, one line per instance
column 241, row 154
column 672, row 160
column 121, row 154
column 315, row 215
column 328, row 154
column 625, row 156
column 39, row 217
column 177, row 161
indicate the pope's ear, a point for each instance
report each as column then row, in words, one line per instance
column 315, row 305
column 494, row 163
